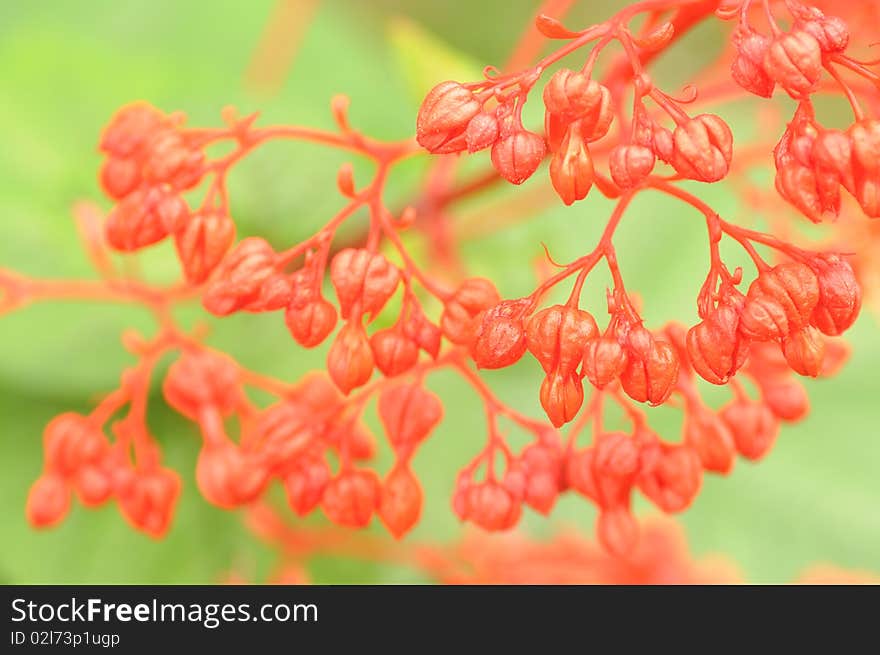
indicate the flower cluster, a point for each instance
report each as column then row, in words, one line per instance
column 312, row 439
column 812, row 162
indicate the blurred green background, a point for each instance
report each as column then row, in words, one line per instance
column 67, row 65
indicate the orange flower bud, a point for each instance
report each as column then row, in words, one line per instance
column 462, row 311
column 702, row 148
column 202, row 243
column 630, row 164
column 351, row 498
column 310, row 323
column 444, row 117
column 715, row 348
column 500, row 339
column 48, row 501
column 408, row 413
column 753, row 426
column 557, row 336
column 794, row 61
column 305, row 484
column 363, row 277
column 710, row 437
column 747, row 68
column 779, row 301
column 350, row 360
column 840, row 296
column 202, row 379
column 393, row 351
column 604, row 360
column 571, row 169
column 804, row 351
column 671, row 476
column 401, row 503
column 562, row 395
column 652, row 377
column 517, row 155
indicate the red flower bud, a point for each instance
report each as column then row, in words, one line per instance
column 491, row 506
column 542, row 469
column 557, row 336
column 865, row 137
column 571, row 169
column 747, row 68
column 715, row 348
column 144, row 217
column 202, row 243
column 444, row 116
column 351, row 498
column 500, row 339
column 310, row 323
column 350, row 360
column 70, row 442
column 779, row 301
column 425, row 334
column 604, row 360
column 630, row 164
column 840, row 296
column 363, row 277
column 202, row 379
column 786, row 399
column 247, row 279
column 482, row 131
column 462, row 311
column 572, row 96
column 830, row 32
column 753, row 426
column 794, row 60
column 671, row 476
column 131, row 129
column 702, row 148
column 305, row 484
column 651, row 377
column 120, row 176
column 562, row 395
column 710, row 437
column 227, row 477
column 48, row 501
column 401, row 503
column 147, row 499
column 804, row 351
column 172, row 161
column 393, row 351
column 408, row 413
column 517, row 155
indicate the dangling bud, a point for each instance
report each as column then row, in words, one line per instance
column 444, row 117
column 571, row 169
column 517, row 156
column 500, row 339
column 779, row 301
column 202, row 244
column 804, row 351
column 401, row 501
column 561, row 396
column 840, row 297
column 702, row 148
column 794, row 60
column 462, row 311
column 557, row 336
column 630, row 164
column 350, row 360
column 604, row 360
